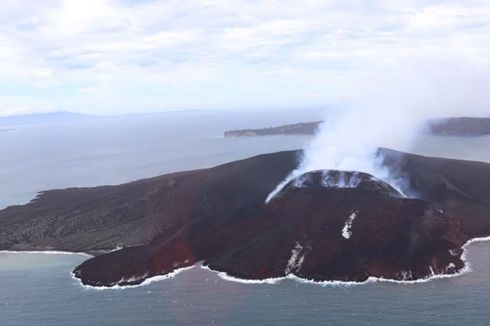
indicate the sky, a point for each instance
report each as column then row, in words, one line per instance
column 127, row 56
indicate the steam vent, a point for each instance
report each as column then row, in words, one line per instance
column 322, row 226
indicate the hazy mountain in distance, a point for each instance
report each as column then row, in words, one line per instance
column 43, row 118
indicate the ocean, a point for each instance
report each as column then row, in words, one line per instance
column 37, row 289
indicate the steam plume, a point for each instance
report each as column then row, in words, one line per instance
column 390, row 110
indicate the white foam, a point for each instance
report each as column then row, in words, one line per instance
column 465, row 246
column 226, row 277
column 466, row 269
column 371, row 279
column 474, row 240
column 276, row 280
column 51, row 252
column 147, row 281
column 321, row 283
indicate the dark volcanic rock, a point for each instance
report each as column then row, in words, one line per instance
column 460, row 188
column 349, row 234
column 344, row 179
column 324, row 225
column 103, row 218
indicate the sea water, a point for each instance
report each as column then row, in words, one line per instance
column 38, row 289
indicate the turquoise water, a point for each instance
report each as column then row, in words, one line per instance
column 37, row 289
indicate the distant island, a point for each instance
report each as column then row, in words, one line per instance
column 460, row 126
column 463, row 126
column 7, row 122
column 322, row 226
column 302, row 128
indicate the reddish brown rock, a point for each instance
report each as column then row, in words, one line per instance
column 218, row 216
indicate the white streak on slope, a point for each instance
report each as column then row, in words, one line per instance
column 346, row 231
column 296, row 259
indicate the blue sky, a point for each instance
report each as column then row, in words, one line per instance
column 121, row 56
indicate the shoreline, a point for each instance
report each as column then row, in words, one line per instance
column 276, row 280
column 135, row 264
column 271, row 281
column 45, row 252
column 146, row 281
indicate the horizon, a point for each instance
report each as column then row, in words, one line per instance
column 190, row 110
column 269, row 110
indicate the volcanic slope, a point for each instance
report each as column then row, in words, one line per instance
column 312, row 229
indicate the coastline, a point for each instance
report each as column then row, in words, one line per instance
column 272, row 281
column 466, row 269
column 146, row 281
column 139, row 254
column 46, row 252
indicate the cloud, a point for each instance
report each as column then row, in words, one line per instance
column 117, row 56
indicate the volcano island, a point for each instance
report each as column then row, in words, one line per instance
column 322, row 226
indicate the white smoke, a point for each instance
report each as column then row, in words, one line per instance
column 390, row 109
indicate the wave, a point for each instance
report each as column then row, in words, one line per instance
column 46, row 252
column 226, row 277
column 147, row 281
column 273, row 280
column 371, row 279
